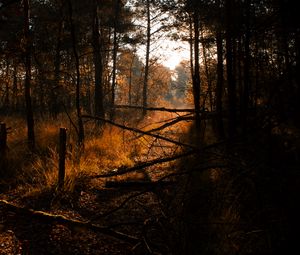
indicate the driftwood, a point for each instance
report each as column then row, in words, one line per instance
column 60, row 219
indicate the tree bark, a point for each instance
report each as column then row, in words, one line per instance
column 29, row 110
column 115, row 51
column 220, row 83
column 77, row 102
column 146, row 74
column 247, row 87
column 231, row 82
column 196, row 73
column 98, row 95
column 57, row 62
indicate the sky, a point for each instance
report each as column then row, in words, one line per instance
column 173, row 53
column 169, row 53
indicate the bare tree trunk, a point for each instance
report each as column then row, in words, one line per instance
column 29, row 111
column 15, row 87
column 196, row 73
column 207, row 74
column 115, row 50
column 231, row 83
column 6, row 99
column 297, row 40
column 191, row 45
column 57, row 62
column 98, row 96
column 130, row 81
column 220, row 83
column 146, row 74
column 245, row 96
column 78, row 107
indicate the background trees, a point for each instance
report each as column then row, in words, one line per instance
column 243, row 54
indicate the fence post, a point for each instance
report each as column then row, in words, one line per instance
column 3, row 138
column 3, row 147
column 62, row 156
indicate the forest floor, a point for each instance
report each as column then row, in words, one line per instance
column 236, row 199
column 125, row 214
column 132, row 210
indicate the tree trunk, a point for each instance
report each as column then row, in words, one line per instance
column 220, row 83
column 246, row 88
column 29, row 110
column 130, row 81
column 297, row 39
column 15, row 87
column 207, row 74
column 231, row 82
column 115, row 50
column 196, row 73
column 57, row 62
column 146, row 74
column 77, row 103
column 6, row 99
column 98, row 96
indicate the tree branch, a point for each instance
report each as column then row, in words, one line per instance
column 140, row 131
column 50, row 219
column 143, row 165
column 162, row 109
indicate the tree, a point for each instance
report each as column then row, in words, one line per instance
column 27, row 61
column 76, row 56
column 98, row 64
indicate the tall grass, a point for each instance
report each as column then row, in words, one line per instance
column 105, row 148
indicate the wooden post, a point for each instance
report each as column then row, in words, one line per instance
column 3, row 146
column 62, row 156
column 3, row 138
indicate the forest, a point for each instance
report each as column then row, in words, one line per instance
column 149, row 127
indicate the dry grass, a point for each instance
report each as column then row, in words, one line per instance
column 105, row 149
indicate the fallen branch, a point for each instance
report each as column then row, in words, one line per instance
column 161, row 109
column 139, row 131
column 60, row 219
column 157, row 183
column 136, row 184
column 143, row 165
column 170, row 123
column 205, row 115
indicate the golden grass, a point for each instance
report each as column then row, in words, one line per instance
column 104, row 150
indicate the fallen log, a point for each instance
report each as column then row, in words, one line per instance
column 48, row 218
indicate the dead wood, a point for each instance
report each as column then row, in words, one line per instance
column 140, row 131
column 161, row 109
column 141, row 166
column 136, row 184
column 48, row 218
